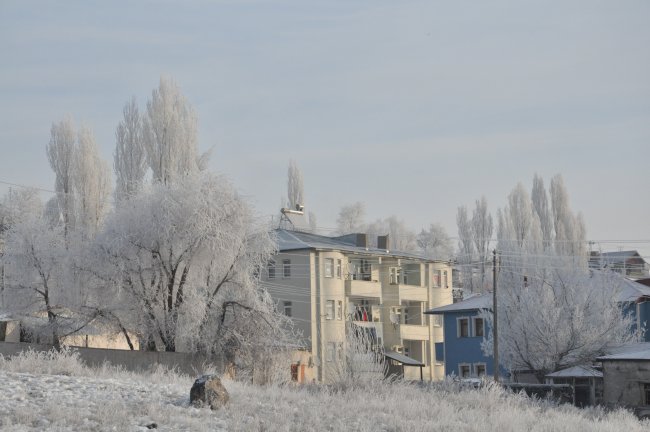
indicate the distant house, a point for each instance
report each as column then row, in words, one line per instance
column 464, row 330
column 628, row 263
column 627, row 377
column 586, row 382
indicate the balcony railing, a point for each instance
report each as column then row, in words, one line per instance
column 411, row 292
column 362, row 288
column 414, row 332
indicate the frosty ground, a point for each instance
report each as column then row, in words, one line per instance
column 58, row 393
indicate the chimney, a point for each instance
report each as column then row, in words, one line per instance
column 383, row 242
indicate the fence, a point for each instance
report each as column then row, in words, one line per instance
column 187, row 363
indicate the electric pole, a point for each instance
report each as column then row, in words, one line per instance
column 495, row 332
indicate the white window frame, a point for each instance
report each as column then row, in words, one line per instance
column 328, row 271
column 287, row 307
column 437, row 279
column 339, row 271
column 474, row 332
column 339, row 310
column 393, row 276
column 458, row 327
column 286, row 268
column 476, row 366
column 437, row 320
column 460, row 370
column 270, row 269
column 329, row 309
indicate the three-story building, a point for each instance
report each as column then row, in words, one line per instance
column 323, row 282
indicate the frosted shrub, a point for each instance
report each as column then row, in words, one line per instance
column 53, row 362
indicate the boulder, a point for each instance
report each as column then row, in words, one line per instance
column 208, row 390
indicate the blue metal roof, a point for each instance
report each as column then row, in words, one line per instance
column 479, row 301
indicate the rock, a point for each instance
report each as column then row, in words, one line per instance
column 152, row 426
column 208, row 390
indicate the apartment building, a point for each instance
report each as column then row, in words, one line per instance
column 325, row 282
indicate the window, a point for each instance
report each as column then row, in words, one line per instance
column 287, row 308
column 329, row 267
column 271, row 269
column 437, row 320
column 463, row 327
column 286, row 268
column 339, row 310
column 394, row 276
column 329, row 309
column 294, row 372
column 464, row 370
column 479, row 369
column 436, row 278
column 330, row 351
column 338, row 269
column 646, row 393
column 479, row 327
column 445, row 283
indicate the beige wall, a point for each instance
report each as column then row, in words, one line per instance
column 106, row 341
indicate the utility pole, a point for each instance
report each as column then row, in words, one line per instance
column 495, row 332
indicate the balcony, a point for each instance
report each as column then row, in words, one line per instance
column 412, row 292
column 358, row 287
column 414, row 332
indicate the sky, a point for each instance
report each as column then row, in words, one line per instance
column 412, row 107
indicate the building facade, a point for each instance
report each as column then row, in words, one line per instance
column 326, row 283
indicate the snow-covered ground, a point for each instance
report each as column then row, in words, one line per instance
column 59, row 394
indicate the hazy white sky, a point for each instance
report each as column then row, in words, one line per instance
column 413, row 107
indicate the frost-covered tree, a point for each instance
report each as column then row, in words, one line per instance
column 295, row 188
column 553, row 316
column 130, row 159
column 92, row 183
column 553, row 313
column 466, row 252
column 185, row 258
column 170, row 134
column 351, row 218
column 569, row 228
column 16, row 205
column 361, row 359
column 401, row 238
column 82, row 178
column 434, row 242
column 481, row 228
column 61, row 154
column 520, row 214
column 35, row 284
column 541, row 207
column 313, row 223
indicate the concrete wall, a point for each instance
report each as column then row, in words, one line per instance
column 190, row 364
column 624, row 381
